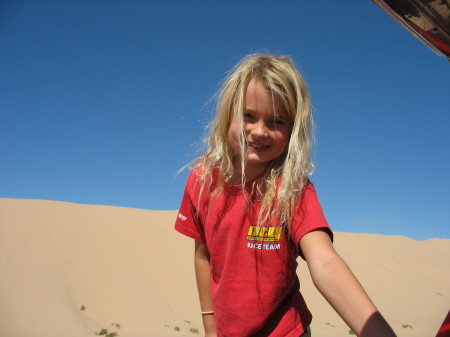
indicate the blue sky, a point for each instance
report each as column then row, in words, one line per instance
column 101, row 102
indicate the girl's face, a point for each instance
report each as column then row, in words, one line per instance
column 267, row 129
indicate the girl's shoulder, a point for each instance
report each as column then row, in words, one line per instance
column 309, row 185
column 308, row 190
column 304, row 196
column 194, row 177
column 200, row 171
column 199, row 176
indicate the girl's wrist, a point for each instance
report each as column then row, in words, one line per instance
column 209, row 312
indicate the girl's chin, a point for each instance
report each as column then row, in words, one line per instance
column 256, row 166
column 255, row 159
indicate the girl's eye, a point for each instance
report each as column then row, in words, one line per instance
column 248, row 116
column 278, row 122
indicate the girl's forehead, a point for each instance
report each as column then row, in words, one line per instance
column 259, row 97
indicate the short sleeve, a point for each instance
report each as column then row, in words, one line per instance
column 188, row 219
column 308, row 215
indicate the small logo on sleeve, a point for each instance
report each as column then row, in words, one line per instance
column 182, row 217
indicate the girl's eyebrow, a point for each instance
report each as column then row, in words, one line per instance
column 275, row 115
column 282, row 118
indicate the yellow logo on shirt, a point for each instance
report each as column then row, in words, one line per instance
column 267, row 234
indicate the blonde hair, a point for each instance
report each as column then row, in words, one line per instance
column 284, row 180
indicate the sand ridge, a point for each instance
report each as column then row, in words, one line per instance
column 71, row 269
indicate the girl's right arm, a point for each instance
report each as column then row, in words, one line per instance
column 202, row 274
column 334, row 279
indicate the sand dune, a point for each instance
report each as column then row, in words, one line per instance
column 128, row 267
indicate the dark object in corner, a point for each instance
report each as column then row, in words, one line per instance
column 428, row 20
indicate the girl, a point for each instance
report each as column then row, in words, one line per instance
column 252, row 210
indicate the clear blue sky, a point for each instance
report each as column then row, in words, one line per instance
column 101, row 102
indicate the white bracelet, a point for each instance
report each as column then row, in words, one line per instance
column 207, row 312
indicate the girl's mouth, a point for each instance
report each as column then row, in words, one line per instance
column 257, row 146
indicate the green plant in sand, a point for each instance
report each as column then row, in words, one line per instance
column 106, row 333
column 102, row 332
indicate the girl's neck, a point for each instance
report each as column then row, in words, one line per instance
column 251, row 173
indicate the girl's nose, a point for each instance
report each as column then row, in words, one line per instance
column 260, row 130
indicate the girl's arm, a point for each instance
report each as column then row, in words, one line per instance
column 202, row 273
column 335, row 281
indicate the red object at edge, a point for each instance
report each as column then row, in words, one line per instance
column 444, row 331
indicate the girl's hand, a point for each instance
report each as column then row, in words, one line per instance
column 209, row 323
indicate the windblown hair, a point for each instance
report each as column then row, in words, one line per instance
column 284, row 180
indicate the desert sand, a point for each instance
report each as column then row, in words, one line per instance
column 72, row 270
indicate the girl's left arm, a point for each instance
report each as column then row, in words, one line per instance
column 335, row 281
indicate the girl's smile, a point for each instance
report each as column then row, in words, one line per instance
column 267, row 129
column 257, row 147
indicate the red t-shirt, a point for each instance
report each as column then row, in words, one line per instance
column 254, row 285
